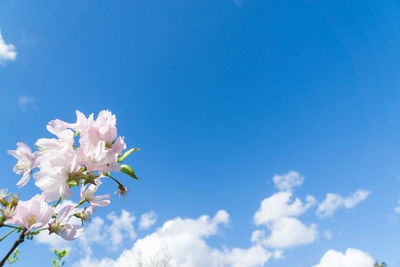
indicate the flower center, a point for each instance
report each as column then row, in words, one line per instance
column 31, row 220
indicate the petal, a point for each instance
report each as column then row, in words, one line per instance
column 71, row 232
column 25, row 179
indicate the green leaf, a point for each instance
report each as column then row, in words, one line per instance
column 128, row 170
column 127, row 154
column 60, row 255
column 15, row 257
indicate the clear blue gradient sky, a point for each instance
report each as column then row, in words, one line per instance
column 220, row 96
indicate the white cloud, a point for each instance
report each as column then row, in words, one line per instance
column 110, row 236
column 182, row 242
column 91, row 235
column 289, row 232
column 351, row 258
column 279, row 205
column 53, row 241
column 333, row 202
column 288, row 180
column 147, row 220
column 7, row 51
column 278, row 213
column 96, row 232
column 286, row 232
column 26, row 101
column 254, row 256
column 120, row 228
column 91, row 262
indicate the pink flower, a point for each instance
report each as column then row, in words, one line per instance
column 26, row 162
column 100, row 145
column 87, row 195
column 87, row 213
column 61, row 226
column 56, row 168
column 32, row 214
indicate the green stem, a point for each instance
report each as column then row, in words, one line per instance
column 58, row 202
column 109, row 176
column 80, row 203
column 10, row 226
column 9, row 233
column 37, row 231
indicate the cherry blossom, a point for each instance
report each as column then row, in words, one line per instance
column 32, row 214
column 61, row 226
column 25, row 164
column 87, row 195
column 86, row 214
column 78, row 156
column 56, row 169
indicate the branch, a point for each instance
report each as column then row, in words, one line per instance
column 16, row 244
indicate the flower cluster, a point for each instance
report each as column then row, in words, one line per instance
column 81, row 155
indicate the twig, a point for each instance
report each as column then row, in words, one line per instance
column 16, row 244
column 11, row 226
column 9, row 233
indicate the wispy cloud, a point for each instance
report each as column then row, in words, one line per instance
column 7, row 51
column 287, row 181
column 25, row 102
column 397, row 209
column 147, row 220
column 328, row 235
column 333, row 202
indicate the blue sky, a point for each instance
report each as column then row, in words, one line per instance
column 220, row 96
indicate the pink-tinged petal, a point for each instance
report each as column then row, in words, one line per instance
column 32, row 214
column 82, row 192
column 24, row 180
column 97, row 201
column 65, row 191
column 19, row 216
column 46, row 143
column 100, row 203
column 45, row 213
column 71, row 232
column 119, row 145
column 57, row 126
column 56, row 166
column 88, row 195
column 65, row 213
column 89, row 211
column 26, row 162
column 81, row 122
column 13, row 153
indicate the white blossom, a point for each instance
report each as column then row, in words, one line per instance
column 26, row 162
column 87, row 194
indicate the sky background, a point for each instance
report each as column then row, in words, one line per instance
column 220, row 96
